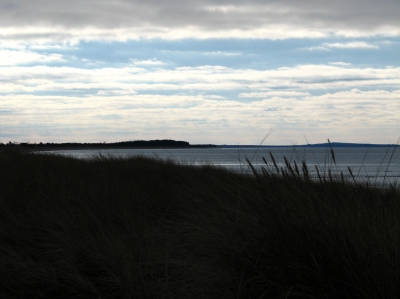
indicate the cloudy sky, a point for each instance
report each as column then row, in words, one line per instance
column 213, row 71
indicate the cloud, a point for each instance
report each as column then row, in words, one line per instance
column 20, row 57
column 388, row 42
column 50, row 46
column 351, row 45
column 316, row 48
column 284, row 81
column 337, row 115
column 340, row 63
column 199, row 104
column 149, row 62
column 130, row 19
column 348, row 45
column 273, row 94
column 220, row 53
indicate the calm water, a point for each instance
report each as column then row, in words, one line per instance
column 367, row 163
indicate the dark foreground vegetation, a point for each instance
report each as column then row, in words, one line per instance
column 145, row 228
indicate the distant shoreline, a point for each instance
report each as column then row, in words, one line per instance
column 69, row 148
column 169, row 144
column 136, row 144
column 317, row 145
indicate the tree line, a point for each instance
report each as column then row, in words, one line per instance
column 135, row 143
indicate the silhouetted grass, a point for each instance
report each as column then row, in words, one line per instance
column 147, row 228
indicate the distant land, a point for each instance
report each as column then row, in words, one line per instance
column 164, row 143
column 168, row 143
column 332, row 144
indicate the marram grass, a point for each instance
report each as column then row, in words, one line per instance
column 146, row 228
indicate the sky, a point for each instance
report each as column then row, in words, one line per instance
column 213, row 71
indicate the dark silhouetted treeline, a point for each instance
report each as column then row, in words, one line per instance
column 136, row 143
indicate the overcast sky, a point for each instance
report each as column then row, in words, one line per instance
column 222, row 72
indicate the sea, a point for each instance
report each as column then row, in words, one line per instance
column 376, row 165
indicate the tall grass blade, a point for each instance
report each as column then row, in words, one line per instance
column 306, row 173
column 391, row 157
column 362, row 164
column 252, row 167
column 273, row 161
column 351, row 174
column 319, row 176
column 332, row 152
column 297, row 170
column 284, row 173
column 265, row 172
column 288, row 166
column 262, row 141
column 265, row 161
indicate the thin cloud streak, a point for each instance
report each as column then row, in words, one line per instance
column 351, row 45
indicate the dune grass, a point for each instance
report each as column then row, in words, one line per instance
column 147, row 228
